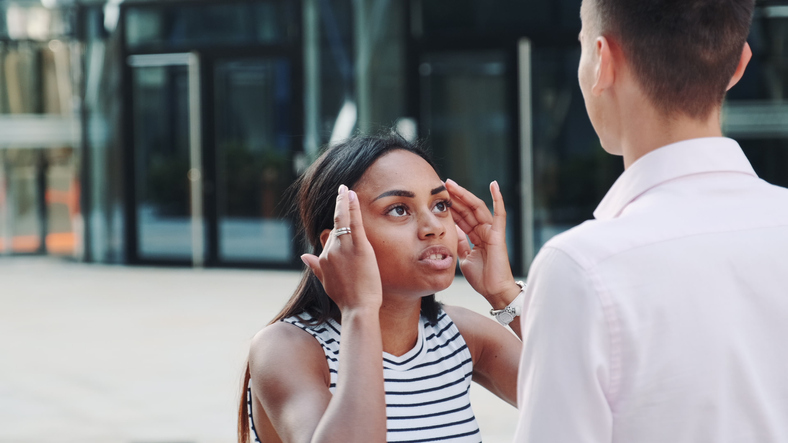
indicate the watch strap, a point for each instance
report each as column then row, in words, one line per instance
column 514, row 309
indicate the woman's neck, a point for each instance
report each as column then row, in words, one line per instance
column 399, row 325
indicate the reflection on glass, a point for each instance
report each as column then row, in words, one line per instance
column 769, row 159
column 105, row 221
column 161, row 146
column 253, row 142
column 466, row 117
column 486, row 16
column 62, row 200
column 335, row 63
column 168, row 27
column 572, row 172
column 5, row 214
column 756, row 109
column 22, row 206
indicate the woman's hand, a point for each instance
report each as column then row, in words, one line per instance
column 347, row 267
column 486, row 265
column 348, row 270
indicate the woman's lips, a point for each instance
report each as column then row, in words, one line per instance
column 438, row 258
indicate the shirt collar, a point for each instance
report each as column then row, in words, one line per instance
column 696, row 156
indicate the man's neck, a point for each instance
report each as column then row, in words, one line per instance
column 645, row 130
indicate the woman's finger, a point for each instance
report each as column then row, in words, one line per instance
column 463, row 247
column 355, row 223
column 341, row 215
column 465, row 227
column 460, row 207
column 499, row 210
column 462, row 210
column 313, row 263
column 470, row 206
column 459, row 220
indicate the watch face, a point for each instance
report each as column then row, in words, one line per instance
column 505, row 317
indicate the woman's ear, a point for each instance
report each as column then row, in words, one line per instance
column 324, row 237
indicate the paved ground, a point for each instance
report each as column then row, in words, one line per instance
column 106, row 354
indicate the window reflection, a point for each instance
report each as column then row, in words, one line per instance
column 161, row 147
column 756, row 109
column 253, row 142
column 468, row 124
column 158, row 27
column 572, row 172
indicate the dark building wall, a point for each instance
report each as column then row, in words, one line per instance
column 490, row 85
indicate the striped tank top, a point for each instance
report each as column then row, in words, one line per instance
column 427, row 389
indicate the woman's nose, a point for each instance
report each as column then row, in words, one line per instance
column 431, row 226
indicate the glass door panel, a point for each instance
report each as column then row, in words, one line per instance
column 162, row 161
column 253, row 139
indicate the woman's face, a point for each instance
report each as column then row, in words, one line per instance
column 405, row 208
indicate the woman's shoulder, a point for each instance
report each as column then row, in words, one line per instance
column 286, row 364
column 465, row 318
column 282, row 343
column 475, row 328
column 281, row 331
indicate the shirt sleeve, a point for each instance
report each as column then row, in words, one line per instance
column 564, row 367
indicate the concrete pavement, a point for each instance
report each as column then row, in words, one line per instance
column 104, row 354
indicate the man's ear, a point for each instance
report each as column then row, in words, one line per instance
column 746, row 55
column 324, row 237
column 605, row 70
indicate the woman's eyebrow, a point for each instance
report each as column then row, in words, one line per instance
column 396, row 193
column 401, row 193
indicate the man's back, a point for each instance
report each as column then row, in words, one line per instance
column 681, row 289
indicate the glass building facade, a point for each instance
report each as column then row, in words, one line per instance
column 39, row 132
column 186, row 121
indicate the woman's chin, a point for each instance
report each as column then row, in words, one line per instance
column 419, row 285
column 443, row 282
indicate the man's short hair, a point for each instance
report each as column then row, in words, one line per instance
column 683, row 52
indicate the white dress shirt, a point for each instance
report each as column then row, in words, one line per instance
column 666, row 318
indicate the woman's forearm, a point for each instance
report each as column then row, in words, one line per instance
column 357, row 411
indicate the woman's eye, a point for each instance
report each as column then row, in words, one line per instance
column 398, row 211
column 441, row 206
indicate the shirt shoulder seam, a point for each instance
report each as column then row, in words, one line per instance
column 611, row 322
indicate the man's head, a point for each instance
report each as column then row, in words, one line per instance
column 683, row 53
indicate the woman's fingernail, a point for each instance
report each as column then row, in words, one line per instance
column 304, row 260
column 450, row 181
column 342, row 189
column 351, row 195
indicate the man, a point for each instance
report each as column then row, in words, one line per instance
column 666, row 318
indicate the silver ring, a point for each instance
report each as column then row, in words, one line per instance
column 341, row 231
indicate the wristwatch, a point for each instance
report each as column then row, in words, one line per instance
column 507, row 314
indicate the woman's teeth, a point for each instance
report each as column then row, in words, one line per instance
column 437, row 257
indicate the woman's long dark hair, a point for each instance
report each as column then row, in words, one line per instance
column 314, row 195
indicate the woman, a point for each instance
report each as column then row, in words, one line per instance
column 388, row 233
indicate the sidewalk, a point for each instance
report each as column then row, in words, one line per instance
column 105, row 354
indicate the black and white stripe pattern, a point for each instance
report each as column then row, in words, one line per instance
column 427, row 389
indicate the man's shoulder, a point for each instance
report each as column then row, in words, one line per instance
column 653, row 220
column 773, row 191
column 590, row 241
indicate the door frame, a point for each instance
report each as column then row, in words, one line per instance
column 208, row 56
